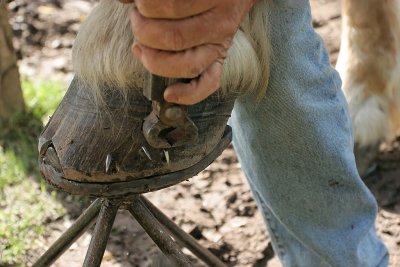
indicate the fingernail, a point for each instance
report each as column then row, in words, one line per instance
column 169, row 97
column 136, row 50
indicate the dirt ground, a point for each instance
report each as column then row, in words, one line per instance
column 216, row 206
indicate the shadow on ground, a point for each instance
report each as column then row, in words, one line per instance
column 384, row 182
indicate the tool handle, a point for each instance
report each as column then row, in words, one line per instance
column 155, row 86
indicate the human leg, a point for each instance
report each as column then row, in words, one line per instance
column 296, row 148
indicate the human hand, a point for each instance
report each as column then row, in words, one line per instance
column 186, row 39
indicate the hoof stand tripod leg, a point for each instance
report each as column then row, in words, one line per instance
column 153, row 221
column 157, row 233
column 101, row 234
column 84, row 221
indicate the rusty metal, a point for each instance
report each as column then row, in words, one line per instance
column 52, row 159
column 157, row 233
column 43, row 145
column 151, row 219
column 70, row 236
column 168, row 125
column 101, row 234
column 144, row 185
column 174, row 113
column 154, row 87
column 170, row 114
column 161, row 135
column 182, row 237
column 154, row 222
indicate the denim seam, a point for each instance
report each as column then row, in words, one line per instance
column 279, row 246
column 384, row 261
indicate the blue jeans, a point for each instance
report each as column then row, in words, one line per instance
column 296, row 148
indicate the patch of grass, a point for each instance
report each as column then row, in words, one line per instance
column 26, row 207
column 42, row 98
column 26, row 211
column 19, row 133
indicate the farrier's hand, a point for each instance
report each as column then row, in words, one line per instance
column 186, row 39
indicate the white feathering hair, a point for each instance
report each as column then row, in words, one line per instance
column 102, row 52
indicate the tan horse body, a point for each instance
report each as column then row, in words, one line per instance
column 369, row 64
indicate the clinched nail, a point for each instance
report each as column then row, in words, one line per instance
column 166, row 155
column 146, row 152
column 108, row 162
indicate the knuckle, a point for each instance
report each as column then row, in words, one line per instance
column 173, row 8
column 227, row 29
column 221, row 50
column 148, row 63
column 194, row 71
column 174, row 39
column 144, row 7
column 136, row 22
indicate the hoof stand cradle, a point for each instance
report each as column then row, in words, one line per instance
column 104, row 153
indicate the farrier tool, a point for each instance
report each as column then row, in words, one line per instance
column 168, row 125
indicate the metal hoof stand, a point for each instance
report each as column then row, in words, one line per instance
column 127, row 195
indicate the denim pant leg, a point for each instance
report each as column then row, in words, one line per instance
column 296, row 148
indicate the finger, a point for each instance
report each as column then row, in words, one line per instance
column 173, row 9
column 186, row 64
column 126, row 1
column 198, row 89
column 178, row 35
